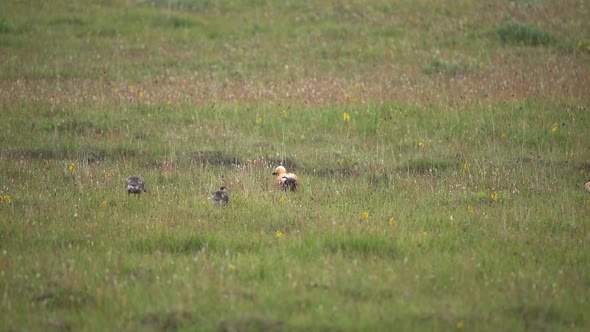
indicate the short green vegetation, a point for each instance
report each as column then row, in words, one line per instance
column 442, row 151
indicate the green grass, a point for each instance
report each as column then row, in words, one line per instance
column 511, row 31
column 451, row 199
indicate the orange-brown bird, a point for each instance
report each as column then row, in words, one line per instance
column 285, row 181
column 135, row 185
column 587, row 186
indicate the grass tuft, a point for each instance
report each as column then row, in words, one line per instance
column 360, row 245
column 427, row 166
column 251, row 324
column 6, row 26
column 216, row 158
column 514, row 32
column 166, row 321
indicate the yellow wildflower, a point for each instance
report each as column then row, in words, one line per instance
column 346, row 117
column 258, row 120
column 72, row 168
column 279, row 234
column 465, row 167
column 365, row 215
column 284, row 113
column 232, row 267
column 494, row 196
column 460, row 325
column 554, row 127
column 104, row 203
column 282, row 199
column 471, row 209
column 392, row 222
column 503, row 136
column 140, row 94
column 420, row 143
column 169, row 102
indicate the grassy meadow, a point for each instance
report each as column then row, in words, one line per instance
column 442, row 148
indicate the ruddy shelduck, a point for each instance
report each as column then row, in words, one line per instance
column 285, row 181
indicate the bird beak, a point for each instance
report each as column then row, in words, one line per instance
column 274, row 173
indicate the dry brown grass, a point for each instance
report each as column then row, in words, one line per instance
column 509, row 77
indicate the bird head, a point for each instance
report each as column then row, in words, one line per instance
column 279, row 170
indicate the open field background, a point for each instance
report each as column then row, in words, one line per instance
column 442, row 147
